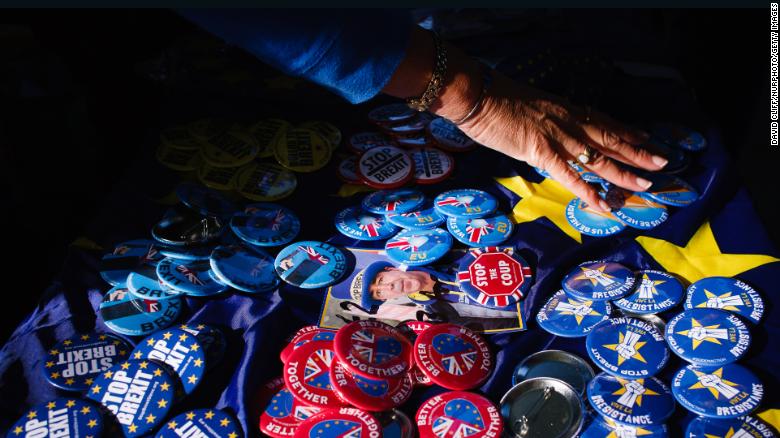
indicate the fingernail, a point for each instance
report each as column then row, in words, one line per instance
column 660, row 161
column 604, row 206
column 645, row 184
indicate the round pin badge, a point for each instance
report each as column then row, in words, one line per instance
column 244, row 268
column 266, row 133
column 217, row 178
column 304, row 335
column 307, row 375
column 656, row 291
column 265, row 182
column 592, row 222
column 359, row 224
column 341, row 422
column 363, row 141
column 178, row 159
column 599, row 281
column 467, row 203
column 417, row 248
column 72, row 364
column 229, row 148
column 391, row 113
column 302, row 150
column 636, row 402
column 385, row 167
column 414, row 126
column 183, row 228
column 415, row 141
column 179, row 137
column 370, row 394
column 395, row 424
column 68, row 417
column 585, row 174
column 127, row 315
column 139, row 394
column 670, row 190
column 725, row 392
column 636, row 211
column 265, row 224
column 373, row 349
column 212, row 339
column 412, row 328
column 726, row 294
column 627, row 348
column 453, row 356
column 310, row 264
column 680, row 137
column 678, row 158
column 205, row 423
column 177, row 349
column 431, row 165
column 283, row 414
column 347, row 171
column 563, row 315
column 449, row 137
column 542, row 407
column 487, row 231
column 494, row 277
column 606, row 428
column 189, row 277
column 424, row 219
column 748, row 426
column 393, row 201
column 708, row 337
column 555, row 364
column 128, row 257
column 326, row 130
column 205, row 201
column 458, row 413
column 146, row 286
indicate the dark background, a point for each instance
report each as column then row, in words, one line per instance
column 77, row 105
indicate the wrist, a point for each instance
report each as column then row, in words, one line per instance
column 462, row 86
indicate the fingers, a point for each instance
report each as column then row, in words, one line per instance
column 618, row 140
column 560, row 171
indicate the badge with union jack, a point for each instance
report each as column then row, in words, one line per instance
column 459, row 414
column 414, row 248
column 453, row 356
column 393, row 201
column 487, row 231
column 467, row 203
column 307, row 374
column 494, row 277
column 192, row 277
column 373, row 349
column 355, row 223
column 341, row 423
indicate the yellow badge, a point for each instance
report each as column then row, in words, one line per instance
column 265, row 182
column 302, row 150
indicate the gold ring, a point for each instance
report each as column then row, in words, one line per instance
column 586, row 156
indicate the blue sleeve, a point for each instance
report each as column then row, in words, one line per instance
column 353, row 53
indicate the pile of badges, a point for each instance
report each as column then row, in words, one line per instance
column 354, row 379
column 633, row 347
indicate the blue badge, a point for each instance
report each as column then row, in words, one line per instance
column 726, row 294
column 680, row 137
column 74, row 363
column 417, row 220
column 393, row 201
column 636, row 402
column 177, row 349
column 708, row 337
column 606, row 428
column 591, row 222
column 244, row 268
column 494, row 277
column 487, row 231
column 729, row 391
column 635, row 211
column 63, row 417
column 266, row 224
column 655, row 292
column 415, row 248
column 469, row 203
column 570, row 317
column 627, row 347
column 187, row 253
column 310, row 264
column 131, row 316
column 599, row 281
column 139, row 394
column 189, row 277
column 212, row 339
column 359, row 224
column 205, row 201
column 747, row 426
column 543, row 173
column 187, row 229
column 201, row 423
column 129, row 257
column 669, row 190
column 146, row 286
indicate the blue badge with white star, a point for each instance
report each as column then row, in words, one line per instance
column 73, row 363
column 393, row 201
column 244, row 268
column 416, row 248
column 708, row 337
column 128, row 257
column 747, row 426
column 592, row 222
column 310, row 264
column 729, row 391
column 191, row 277
column 63, row 417
column 635, row 402
column 476, row 232
column 656, row 291
column 127, row 315
column 359, row 224
column 423, row 219
column 468, row 203
column 607, row 428
column 726, row 294
column 138, row 393
column 599, row 281
column 177, row 349
column 266, row 224
column 570, row 317
column 202, row 423
column 627, row 348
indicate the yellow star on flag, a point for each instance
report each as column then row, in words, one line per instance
column 49, row 364
column 51, row 405
column 184, row 327
column 194, row 347
column 96, row 389
column 85, row 410
column 232, row 435
column 167, row 335
column 190, row 415
column 636, row 355
column 183, row 337
column 103, row 338
column 67, row 342
column 143, row 365
column 192, row 379
column 172, row 425
column 622, row 390
column 108, row 374
column 150, row 342
column 132, row 428
column 54, row 352
column 137, row 355
column 84, row 337
column 69, row 381
column 162, row 403
column 713, row 391
column 209, row 415
column 32, row 414
column 150, row 419
column 701, row 256
column 224, row 422
column 92, row 423
column 697, row 342
column 157, row 372
column 18, row 430
column 70, row 403
column 165, row 386
column 201, row 326
column 125, row 365
column 89, row 381
column 198, row 362
column 55, row 375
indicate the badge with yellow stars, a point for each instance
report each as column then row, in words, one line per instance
column 729, row 391
column 708, row 337
column 599, row 281
column 211, row 339
column 608, row 428
column 74, row 363
column 748, row 426
column 68, row 417
column 178, row 349
column 656, row 291
column 627, row 348
column 639, row 402
column 726, row 294
column 138, row 393
column 211, row 423
column 570, row 317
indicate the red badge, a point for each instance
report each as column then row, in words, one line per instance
column 370, row 394
column 413, row 328
column 494, row 277
column 453, row 356
column 431, row 165
column 459, row 414
column 306, row 374
column 340, row 423
column 363, row 141
column 283, row 413
column 385, row 167
column 347, row 171
column 304, row 335
column 373, row 349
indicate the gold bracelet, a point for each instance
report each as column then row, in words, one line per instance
column 436, row 83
